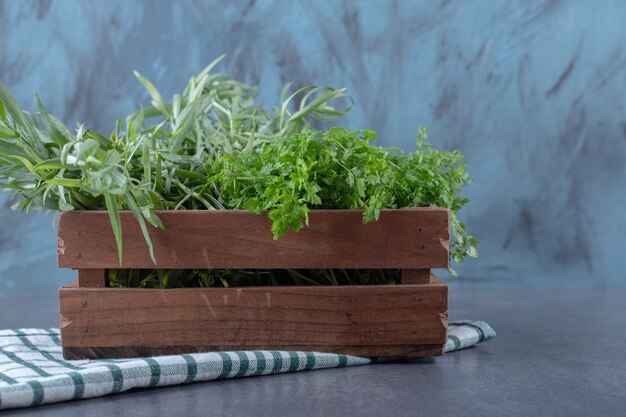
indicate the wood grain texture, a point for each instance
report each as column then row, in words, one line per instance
column 415, row 276
column 92, row 278
column 404, row 238
column 408, row 351
column 395, row 320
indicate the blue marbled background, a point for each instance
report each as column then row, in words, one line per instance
column 532, row 92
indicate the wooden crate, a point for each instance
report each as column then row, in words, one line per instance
column 394, row 320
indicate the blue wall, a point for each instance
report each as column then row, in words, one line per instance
column 532, row 92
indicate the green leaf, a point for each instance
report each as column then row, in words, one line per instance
column 102, row 141
column 9, row 149
column 157, row 100
column 191, row 175
column 45, row 117
column 158, row 183
column 147, row 166
column 116, row 222
column 3, row 112
column 54, row 163
column 8, row 133
column 64, row 182
column 132, row 205
column 210, row 67
column 25, row 162
column 13, row 109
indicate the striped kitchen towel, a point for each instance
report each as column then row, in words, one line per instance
column 33, row 371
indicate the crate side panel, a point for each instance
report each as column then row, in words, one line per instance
column 375, row 320
column 406, row 238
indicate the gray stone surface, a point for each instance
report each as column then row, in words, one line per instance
column 557, row 353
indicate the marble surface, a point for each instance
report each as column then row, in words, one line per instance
column 532, row 92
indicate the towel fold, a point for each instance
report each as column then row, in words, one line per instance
column 33, row 371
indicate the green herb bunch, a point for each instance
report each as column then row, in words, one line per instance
column 140, row 166
column 215, row 147
column 340, row 168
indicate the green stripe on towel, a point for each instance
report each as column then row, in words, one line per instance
column 33, row 371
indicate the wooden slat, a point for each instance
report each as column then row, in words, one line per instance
column 92, row 278
column 406, row 238
column 415, row 276
column 398, row 320
column 408, row 351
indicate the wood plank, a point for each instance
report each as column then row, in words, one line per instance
column 78, row 353
column 92, row 278
column 415, row 276
column 405, row 238
column 394, row 320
